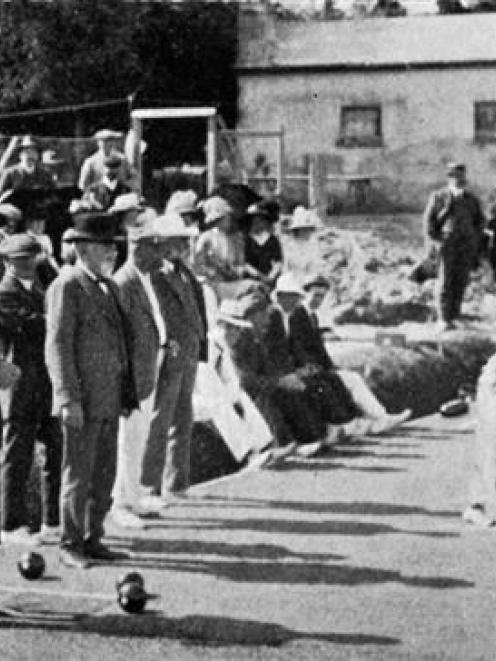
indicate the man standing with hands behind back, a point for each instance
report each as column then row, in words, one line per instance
column 89, row 364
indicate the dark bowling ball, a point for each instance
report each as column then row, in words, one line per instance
column 130, row 577
column 31, row 565
column 132, row 597
column 453, row 408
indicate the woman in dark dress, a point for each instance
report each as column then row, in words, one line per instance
column 263, row 250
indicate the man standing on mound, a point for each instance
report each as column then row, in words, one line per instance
column 88, row 361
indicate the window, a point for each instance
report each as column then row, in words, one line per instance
column 485, row 121
column 360, row 126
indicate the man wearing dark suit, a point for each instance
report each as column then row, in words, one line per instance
column 88, row 359
column 454, row 223
column 181, row 299
column 308, row 350
column 149, row 336
column 26, row 407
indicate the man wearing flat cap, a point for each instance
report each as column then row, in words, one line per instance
column 88, row 355
column 28, row 172
column 26, row 407
column 454, row 223
column 93, row 168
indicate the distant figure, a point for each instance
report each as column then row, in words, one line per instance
column 454, row 221
column 28, row 172
column 52, row 164
column 93, row 171
column 301, row 246
column 104, row 193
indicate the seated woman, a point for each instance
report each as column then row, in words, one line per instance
column 219, row 398
column 220, row 250
column 307, row 348
column 262, row 248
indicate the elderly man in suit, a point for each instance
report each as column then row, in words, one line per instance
column 88, row 358
column 26, row 407
column 183, row 306
column 454, row 223
column 149, row 337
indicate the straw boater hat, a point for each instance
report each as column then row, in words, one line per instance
column 174, row 227
column 454, row 168
column 303, row 219
column 127, row 202
column 94, row 227
column 182, row 201
column 215, row 208
column 287, row 284
column 232, row 312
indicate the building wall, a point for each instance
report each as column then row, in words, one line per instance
column 427, row 120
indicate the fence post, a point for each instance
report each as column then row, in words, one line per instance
column 280, row 162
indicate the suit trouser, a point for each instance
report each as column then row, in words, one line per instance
column 18, row 439
column 363, row 397
column 456, row 261
column 134, row 433
column 88, row 474
column 166, row 461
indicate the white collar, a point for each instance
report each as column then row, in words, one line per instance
column 89, row 272
column 112, row 185
column 27, row 284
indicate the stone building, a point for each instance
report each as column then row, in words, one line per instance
column 382, row 102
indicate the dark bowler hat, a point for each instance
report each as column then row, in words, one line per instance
column 268, row 209
column 94, row 227
column 453, row 169
column 19, row 245
column 316, row 281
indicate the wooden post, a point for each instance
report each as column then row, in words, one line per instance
column 137, row 128
column 211, row 152
column 280, row 162
column 317, row 180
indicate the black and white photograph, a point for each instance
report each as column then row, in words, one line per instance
column 247, row 330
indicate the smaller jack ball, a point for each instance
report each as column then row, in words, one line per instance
column 130, row 577
column 132, row 598
column 31, row 565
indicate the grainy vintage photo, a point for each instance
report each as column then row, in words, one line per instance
column 247, row 330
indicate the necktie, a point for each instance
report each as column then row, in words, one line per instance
column 315, row 320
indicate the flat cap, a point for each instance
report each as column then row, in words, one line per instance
column 453, row 168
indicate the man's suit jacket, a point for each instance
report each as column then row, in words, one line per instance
column 178, row 317
column 17, row 177
column 144, row 333
column 22, row 334
column 86, row 349
column 305, row 341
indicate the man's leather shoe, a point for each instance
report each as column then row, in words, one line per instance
column 98, row 551
column 73, row 559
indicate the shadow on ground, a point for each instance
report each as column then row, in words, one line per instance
column 204, row 630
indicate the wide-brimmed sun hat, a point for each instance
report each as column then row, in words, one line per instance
column 287, row 284
column 174, row 227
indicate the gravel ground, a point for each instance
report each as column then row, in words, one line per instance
column 360, row 554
